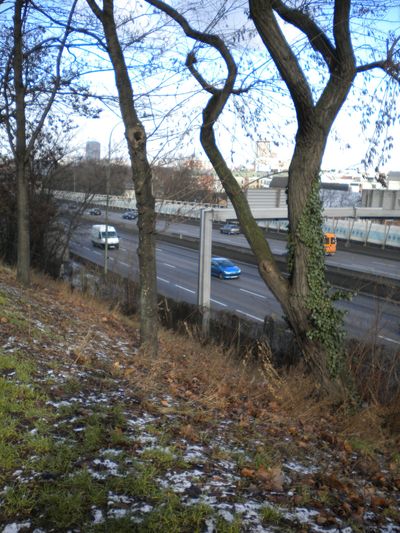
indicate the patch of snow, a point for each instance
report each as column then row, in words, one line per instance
column 115, row 498
column 15, row 527
column 301, row 469
column 111, row 451
column 179, row 482
column 117, row 513
column 108, row 464
column 227, row 515
column 302, row 515
column 63, row 403
column 98, row 517
column 390, row 528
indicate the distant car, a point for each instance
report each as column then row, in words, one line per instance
column 73, row 205
column 130, row 215
column 95, row 211
column 224, row 268
column 230, row 229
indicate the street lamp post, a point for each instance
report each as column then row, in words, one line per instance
column 108, row 177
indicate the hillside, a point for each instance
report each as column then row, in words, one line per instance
column 94, row 436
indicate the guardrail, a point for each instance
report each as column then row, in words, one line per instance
column 349, row 229
column 363, row 231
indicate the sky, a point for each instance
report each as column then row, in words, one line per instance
column 346, row 146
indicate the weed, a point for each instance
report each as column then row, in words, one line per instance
column 16, row 366
column 18, row 500
column 3, row 299
column 170, row 515
column 72, row 386
column 363, row 446
column 9, row 456
column 303, row 495
column 392, row 514
column 163, row 459
column 141, row 485
column 263, row 458
column 271, row 515
column 78, row 493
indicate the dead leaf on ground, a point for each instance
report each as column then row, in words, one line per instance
column 247, row 472
column 272, row 478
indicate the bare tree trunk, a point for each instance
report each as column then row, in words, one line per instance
column 142, row 178
column 317, row 326
column 23, row 257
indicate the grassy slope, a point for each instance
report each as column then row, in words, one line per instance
column 96, row 437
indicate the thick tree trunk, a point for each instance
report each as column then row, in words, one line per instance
column 23, row 253
column 142, row 179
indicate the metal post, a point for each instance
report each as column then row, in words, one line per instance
column 108, row 172
column 204, row 280
column 107, row 197
column 108, row 177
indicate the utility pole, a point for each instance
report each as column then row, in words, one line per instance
column 204, row 280
column 108, row 178
column 107, row 198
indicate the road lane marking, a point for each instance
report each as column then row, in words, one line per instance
column 253, row 294
column 388, row 339
column 250, row 316
column 98, row 253
column 124, row 249
column 218, row 302
column 185, row 289
column 164, row 280
column 158, row 250
column 125, row 264
column 168, row 265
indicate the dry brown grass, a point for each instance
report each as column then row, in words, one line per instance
column 211, row 379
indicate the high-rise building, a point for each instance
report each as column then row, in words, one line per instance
column 93, row 150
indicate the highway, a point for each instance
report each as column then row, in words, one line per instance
column 368, row 317
column 376, row 264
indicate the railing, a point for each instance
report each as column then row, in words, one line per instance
column 348, row 229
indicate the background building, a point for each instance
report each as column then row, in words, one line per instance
column 93, row 150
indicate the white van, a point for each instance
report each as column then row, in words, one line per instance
column 100, row 233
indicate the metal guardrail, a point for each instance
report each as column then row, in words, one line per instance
column 349, row 223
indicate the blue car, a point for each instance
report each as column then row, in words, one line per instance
column 130, row 215
column 224, row 268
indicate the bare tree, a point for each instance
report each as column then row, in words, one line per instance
column 22, row 133
column 141, row 175
column 305, row 296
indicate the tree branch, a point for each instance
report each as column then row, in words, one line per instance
column 341, row 31
column 262, row 14
column 215, row 106
column 318, row 40
column 57, row 82
column 388, row 65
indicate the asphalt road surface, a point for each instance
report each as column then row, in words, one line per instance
column 367, row 317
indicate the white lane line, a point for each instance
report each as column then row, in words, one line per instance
column 218, row 302
column 250, row 316
column 388, row 339
column 185, row 289
column 98, row 253
column 125, row 264
column 158, row 249
column 124, row 249
column 164, row 280
column 254, row 294
column 168, row 265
